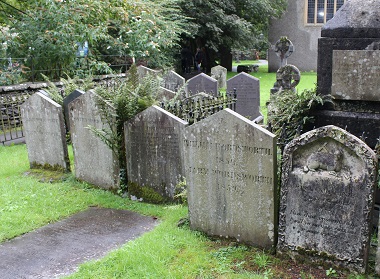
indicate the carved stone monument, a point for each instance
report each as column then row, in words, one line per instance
column 348, row 66
column 220, row 74
column 68, row 99
column 173, row 81
column 45, row 134
column 230, row 166
column 202, row 83
column 283, row 49
column 327, row 197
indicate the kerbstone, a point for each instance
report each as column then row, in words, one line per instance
column 230, row 166
column 45, row 134
column 327, row 196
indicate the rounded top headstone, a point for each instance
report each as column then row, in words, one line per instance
column 355, row 19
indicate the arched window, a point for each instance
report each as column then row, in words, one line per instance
column 320, row 11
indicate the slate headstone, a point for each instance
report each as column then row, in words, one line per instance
column 173, row 81
column 220, row 74
column 154, row 157
column 202, row 83
column 72, row 96
column 248, row 95
column 45, row 134
column 95, row 162
column 327, row 196
column 230, row 166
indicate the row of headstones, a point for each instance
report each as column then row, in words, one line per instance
column 247, row 87
column 229, row 162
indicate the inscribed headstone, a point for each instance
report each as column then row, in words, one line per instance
column 72, row 96
column 95, row 162
column 220, row 74
column 248, row 94
column 327, row 196
column 173, row 81
column 355, row 75
column 45, row 134
column 153, row 150
column 202, row 83
column 230, row 166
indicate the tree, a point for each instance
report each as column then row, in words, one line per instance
column 225, row 24
column 50, row 31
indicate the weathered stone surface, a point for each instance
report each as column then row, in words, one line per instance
column 153, row 150
column 173, row 81
column 202, row 83
column 165, row 94
column 143, row 71
column 220, row 74
column 355, row 75
column 355, row 19
column 248, row 94
column 44, row 130
column 94, row 161
column 327, row 196
column 69, row 98
column 230, row 166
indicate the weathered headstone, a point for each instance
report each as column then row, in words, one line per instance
column 165, row 94
column 248, row 94
column 95, row 162
column 284, row 49
column 143, row 71
column 153, row 151
column 230, row 166
column 220, row 74
column 202, row 83
column 327, row 197
column 45, row 134
column 173, row 81
column 69, row 98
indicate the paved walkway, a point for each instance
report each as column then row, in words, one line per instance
column 58, row 249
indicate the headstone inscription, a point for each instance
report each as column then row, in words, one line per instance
column 153, row 151
column 220, row 74
column 202, row 83
column 173, row 81
column 248, row 95
column 69, row 98
column 95, row 162
column 230, row 167
column 327, row 196
column 45, row 133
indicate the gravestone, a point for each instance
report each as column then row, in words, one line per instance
column 230, row 166
column 284, row 49
column 165, row 94
column 45, row 134
column 202, row 83
column 95, row 162
column 327, row 197
column 350, row 39
column 220, row 74
column 173, row 81
column 153, row 151
column 143, row 72
column 69, row 98
column 248, row 94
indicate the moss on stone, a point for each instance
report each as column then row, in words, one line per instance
column 146, row 193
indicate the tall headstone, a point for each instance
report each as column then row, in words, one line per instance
column 248, row 94
column 327, row 197
column 348, row 57
column 69, row 98
column 173, row 81
column 95, row 162
column 45, row 133
column 153, row 151
column 202, row 83
column 230, row 166
column 220, row 74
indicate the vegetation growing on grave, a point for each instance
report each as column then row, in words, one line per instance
column 291, row 110
column 146, row 193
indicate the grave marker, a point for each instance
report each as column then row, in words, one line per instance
column 202, row 83
column 69, row 98
column 248, row 95
column 230, row 166
column 173, row 81
column 45, row 134
column 220, row 74
column 153, row 150
column 94, row 161
column 327, row 196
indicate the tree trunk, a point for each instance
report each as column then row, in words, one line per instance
column 226, row 58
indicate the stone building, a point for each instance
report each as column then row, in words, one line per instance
column 302, row 23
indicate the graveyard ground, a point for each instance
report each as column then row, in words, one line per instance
column 31, row 199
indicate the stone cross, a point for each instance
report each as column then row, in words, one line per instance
column 283, row 48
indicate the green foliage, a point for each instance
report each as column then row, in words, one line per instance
column 291, row 109
column 331, row 272
column 262, row 260
column 181, row 191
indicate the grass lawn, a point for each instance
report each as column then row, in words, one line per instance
column 29, row 200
